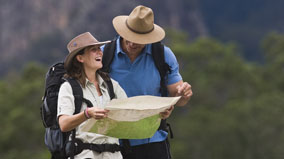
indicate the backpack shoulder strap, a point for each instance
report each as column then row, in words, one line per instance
column 108, row 55
column 110, row 89
column 162, row 66
column 107, row 80
column 164, row 69
column 79, row 99
column 77, row 93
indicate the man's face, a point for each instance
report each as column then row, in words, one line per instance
column 132, row 48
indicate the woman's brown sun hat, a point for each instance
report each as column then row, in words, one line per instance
column 139, row 26
column 78, row 43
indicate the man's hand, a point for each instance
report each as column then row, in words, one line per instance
column 167, row 113
column 184, row 90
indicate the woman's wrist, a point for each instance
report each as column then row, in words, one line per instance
column 86, row 113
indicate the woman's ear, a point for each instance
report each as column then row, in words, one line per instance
column 79, row 58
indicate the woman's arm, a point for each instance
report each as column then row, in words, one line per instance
column 70, row 122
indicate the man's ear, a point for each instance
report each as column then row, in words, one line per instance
column 80, row 58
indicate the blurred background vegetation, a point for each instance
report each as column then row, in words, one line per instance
column 231, row 52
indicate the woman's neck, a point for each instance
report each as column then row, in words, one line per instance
column 91, row 76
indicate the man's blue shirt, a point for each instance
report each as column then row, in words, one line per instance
column 141, row 77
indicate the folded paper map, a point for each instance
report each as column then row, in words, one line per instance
column 131, row 118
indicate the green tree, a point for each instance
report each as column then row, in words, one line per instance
column 22, row 132
column 233, row 113
column 273, row 46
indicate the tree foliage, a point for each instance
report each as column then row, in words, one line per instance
column 21, row 127
column 235, row 112
column 273, row 46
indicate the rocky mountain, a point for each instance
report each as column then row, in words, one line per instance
column 38, row 30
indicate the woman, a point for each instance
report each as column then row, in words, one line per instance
column 83, row 63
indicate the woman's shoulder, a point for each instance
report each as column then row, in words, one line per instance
column 66, row 87
column 114, row 82
column 66, row 84
column 118, row 90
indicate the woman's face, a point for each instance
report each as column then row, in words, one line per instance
column 92, row 58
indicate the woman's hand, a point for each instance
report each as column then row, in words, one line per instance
column 97, row 113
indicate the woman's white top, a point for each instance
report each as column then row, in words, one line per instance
column 66, row 106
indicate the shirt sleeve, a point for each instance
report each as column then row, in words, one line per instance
column 103, row 47
column 171, row 60
column 65, row 101
column 118, row 91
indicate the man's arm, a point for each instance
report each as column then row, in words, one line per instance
column 182, row 89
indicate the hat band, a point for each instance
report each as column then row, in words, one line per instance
column 138, row 32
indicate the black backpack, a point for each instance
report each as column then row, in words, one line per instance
column 160, row 63
column 55, row 140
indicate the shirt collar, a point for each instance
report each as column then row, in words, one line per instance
column 100, row 80
column 118, row 47
column 147, row 49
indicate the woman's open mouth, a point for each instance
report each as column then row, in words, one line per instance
column 98, row 58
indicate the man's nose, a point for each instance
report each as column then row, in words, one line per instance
column 132, row 44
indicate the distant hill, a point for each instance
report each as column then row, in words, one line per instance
column 39, row 30
column 243, row 21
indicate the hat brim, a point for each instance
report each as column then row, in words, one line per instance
column 119, row 24
column 71, row 55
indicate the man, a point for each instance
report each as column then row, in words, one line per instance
column 134, row 68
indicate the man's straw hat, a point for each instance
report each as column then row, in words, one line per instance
column 78, row 43
column 139, row 26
